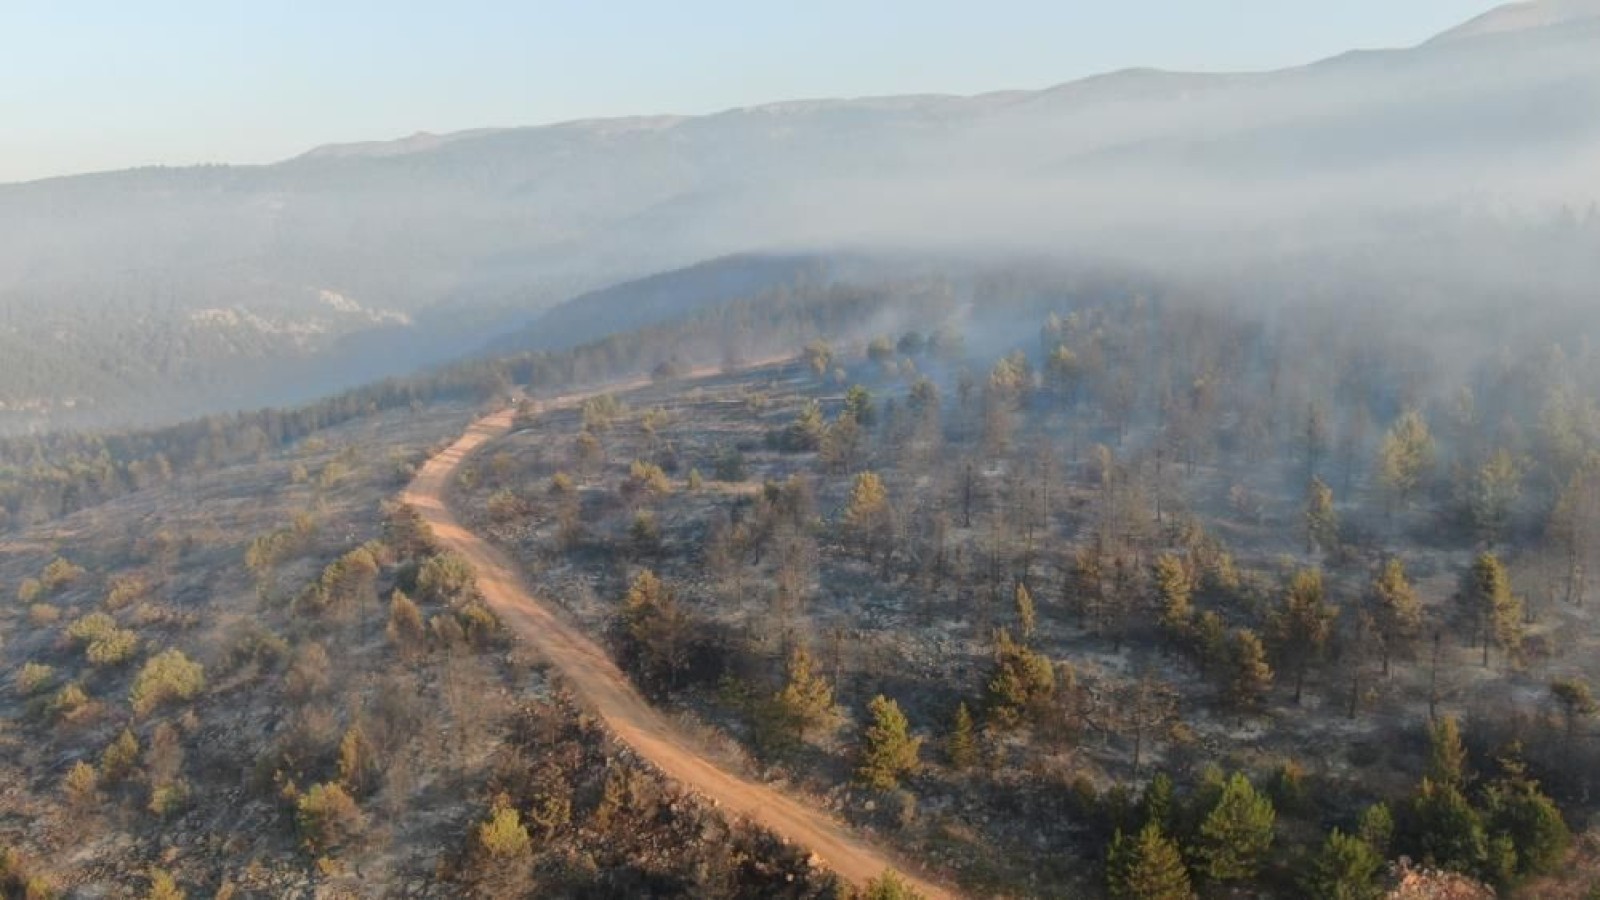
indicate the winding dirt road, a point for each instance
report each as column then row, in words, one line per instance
column 599, row 683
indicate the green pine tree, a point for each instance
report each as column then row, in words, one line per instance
column 1146, row 867
column 889, row 751
column 1236, row 834
column 962, row 745
column 1346, row 868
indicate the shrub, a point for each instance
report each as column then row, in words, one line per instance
column 69, row 701
column 114, row 649
column 29, row 591
column 42, row 614
column 168, row 676
column 81, row 785
column 503, row 836
column 59, row 574
column 163, row 886
column 124, row 589
column 33, row 678
column 120, row 758
column 327, row 817
column 889, row 886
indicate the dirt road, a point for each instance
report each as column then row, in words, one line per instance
column 599, row 683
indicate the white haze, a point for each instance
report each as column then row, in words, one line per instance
column 1352, row 158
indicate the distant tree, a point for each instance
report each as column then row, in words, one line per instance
column 962, row 745
column 1485, row 596
column 656, row 632
column 1447, row 754
column 1175, row 594
column 818, row 357
column 646, row 482
column 888, row 750
column 1396, row 610
column 1346, row 868
column 1302, row 624
column 1249, row 677
column 1575, row 525
column 858, row 404
column 1494, row 491
column 1406, row 456
column 1026, row 616
column 881, row 351
column 869, row 520
column 1235, row 835
column 1576, row 703
column 358, row 762
column 1321, row 519
column 1020, row 685
column 1314, row 439
column 840, row 449
column 405, row 630
column 1146, row 867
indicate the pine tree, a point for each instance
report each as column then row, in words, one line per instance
column 1515, row 807
column 1302, row 624
column 1576, row 703
column 888, row 751
column 1447, row 755
column 868, row 519
column 1321, row 519
column 405, row 629
column 1236, row 834
column 806, row 698
column 1346, row 868
column 1406, row 457
column 1396, row 608
column 1249, row 676
column 1146, row 867
column 1175, row 592
column 1021, row 683
column 962, row 745
column 1377, row 828
column 1159, row 801
column 358, row 762
column 1449, row 832
column 1026, row 617
column 1486, row 595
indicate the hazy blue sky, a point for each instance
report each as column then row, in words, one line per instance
column 98, row 84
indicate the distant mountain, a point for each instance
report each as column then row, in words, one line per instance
column 1515, row 17
column 159, row 292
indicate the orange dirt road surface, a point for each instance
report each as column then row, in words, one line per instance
column 599, row 683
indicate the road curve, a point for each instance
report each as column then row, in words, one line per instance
column 600, row 684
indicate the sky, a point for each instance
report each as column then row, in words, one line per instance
column 90, row 85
